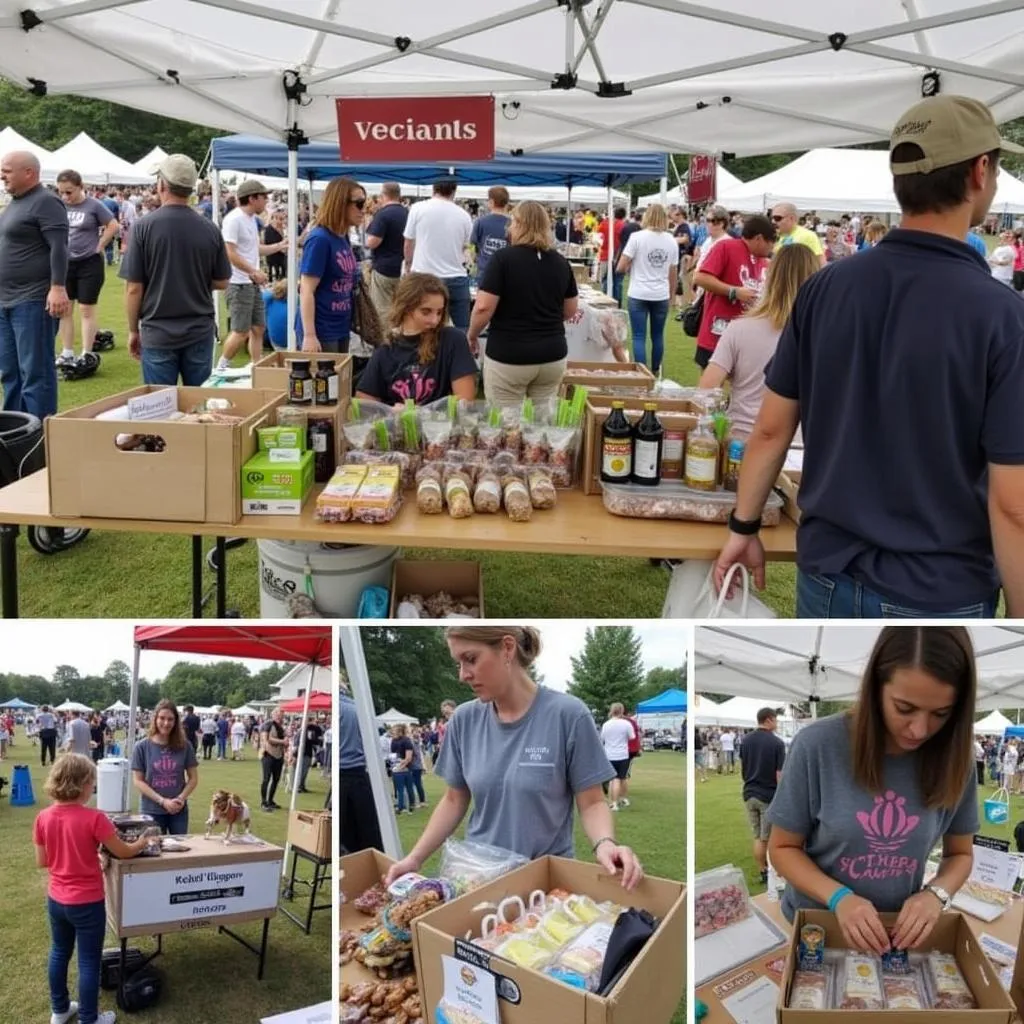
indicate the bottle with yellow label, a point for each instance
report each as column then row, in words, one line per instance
column 702, row 454
column 616, row 446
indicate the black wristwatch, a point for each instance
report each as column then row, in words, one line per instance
column 744, row 527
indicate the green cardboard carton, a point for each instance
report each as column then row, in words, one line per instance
column 273, row 487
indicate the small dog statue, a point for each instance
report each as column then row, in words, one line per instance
column 231, row 810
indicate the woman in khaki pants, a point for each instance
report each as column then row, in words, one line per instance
column 526, row 294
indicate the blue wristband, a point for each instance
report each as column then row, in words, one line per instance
column 837, row 897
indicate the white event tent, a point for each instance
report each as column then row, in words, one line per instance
column 73, row 705
column 994, row 724
column 118, row 705
column 11, row 142
column 725, row 182
column 149, row 163
column 844, row 180
column 393, row 717
column 795, row 663
column 96, row 165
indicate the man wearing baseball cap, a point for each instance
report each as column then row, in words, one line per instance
column 175, row 261
column 905, row 366
column 241, row 231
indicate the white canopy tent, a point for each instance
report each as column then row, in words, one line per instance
column 73, row 705
column 151, row 161
column 844, row 180
column 96, row 165
column 244, row 711
column 117, row 706
column 726, row 182
column 795, row 663
column 392, row 717
column 735, row 713
column 11, row 142
column 994, row 724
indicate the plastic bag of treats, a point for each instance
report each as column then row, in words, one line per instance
column 580, row 963
column 810, row 990
column 458, row 491
column 512, row 439
column 558, row 928
column 563, row 443
column 440, row 436
column 516, row 496
column 429, row 489
column 469, row 428
column 526, row 951
column 540, row 481
column 379, row 497
column 949, row 989
column 468, row 864
column 721, row 898
column 904, row 991
column 860, row 983
column 407, row 463
column 372, row 901
column 448, row 1014
column 536, row 449
column 360, row 428
column 487, row 492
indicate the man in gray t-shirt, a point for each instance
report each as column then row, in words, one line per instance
column 79, row 736
column 175, row 259
column 33, row 270
column 875, row 844
column 523, row 776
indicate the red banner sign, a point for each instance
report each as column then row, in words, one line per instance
column 441, row 128
column 703, row 182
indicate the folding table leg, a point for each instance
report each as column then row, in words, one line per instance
column 9, row 570
column 263, row 949
column 197, row 577
column 222, row 578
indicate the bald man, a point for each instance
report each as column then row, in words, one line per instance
column 33, row 269
column 790, row 232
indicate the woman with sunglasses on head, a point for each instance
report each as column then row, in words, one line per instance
column 329, row 269
column 524, row 756
column 866, row 795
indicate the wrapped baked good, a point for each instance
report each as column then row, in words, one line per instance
column 373, row 900
column 334, row 503
column 535, row 445
column 379, row 496
column 563, row 445
column 352, row 1014
column 516, row 496
column 458, row 484
column 720, row 899
column 904, row 991
column 526, row 951
column 580, row 963
column 512, row 438
column 439, row 437
column 673, row 500
column 406, row 462
column 469, row 425
column 860, row 984
column 949, row 989
column 487, row 492
column 542, row 488
column 809, row 991
column 430, row 489
column 490, row 437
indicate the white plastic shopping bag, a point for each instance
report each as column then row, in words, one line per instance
column 691, row 595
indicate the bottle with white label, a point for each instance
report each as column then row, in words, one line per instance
column 648, row 440
column 702, row 454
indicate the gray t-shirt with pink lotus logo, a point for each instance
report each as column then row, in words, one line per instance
column 876, row 844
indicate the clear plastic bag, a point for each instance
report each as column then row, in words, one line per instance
column 468, row 864
column 439, row 437
column 905, row 991
column 949, row 988
column 487, row 492
column 811, row 990
column 563, row 449
column 580, row 963
column 516, row 496
column 429, row 489
column 448, row 1014
column 859, row 986
column 542, row 487
column 536, row 449
column 721, row 898
column 458, row 490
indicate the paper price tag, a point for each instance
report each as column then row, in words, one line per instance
column 291, row 456
column 156, row 406
column 471, row 989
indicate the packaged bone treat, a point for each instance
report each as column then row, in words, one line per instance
column 949, row 989
column 809, row 990
column 458, row 485
column 860, row 985
column 429, row 489
column 517, row 498
column 904, row 991
column 542, row 487
column 487, row 492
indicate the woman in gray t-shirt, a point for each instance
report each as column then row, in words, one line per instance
column 865, row 796
column 525, row 756
column 164, row 770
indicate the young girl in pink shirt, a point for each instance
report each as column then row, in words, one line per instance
column 67, row 837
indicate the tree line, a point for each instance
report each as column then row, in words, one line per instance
column 222, row 683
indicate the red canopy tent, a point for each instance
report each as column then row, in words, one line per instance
column 318, row 701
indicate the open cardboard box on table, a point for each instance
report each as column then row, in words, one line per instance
column 612, row 375
column 674, row 414
column 460, row 579
column 311, row 831
column 788, row 485
column 195, row 479
column 951, row 935
column 272, row 372
column 359, row 872
column 649, row 992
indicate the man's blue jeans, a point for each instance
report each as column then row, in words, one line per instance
column 163, row 366
column 458, row 301
column 84, row 923
column 28, row 374
column 837, row 596
column 639, row 310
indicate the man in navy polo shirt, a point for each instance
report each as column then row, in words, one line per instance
column 905, row 367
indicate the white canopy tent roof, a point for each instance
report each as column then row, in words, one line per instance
column 750, row 79
column 96, row 165
column 844, row 180
column 149, row 163
column 792, row 663
column 118, row 705
column 244, row 711
column 735, row 713
column 994, row 724
column 393, row 717
column 73, row 705
column 726, row 182
column 11, row 141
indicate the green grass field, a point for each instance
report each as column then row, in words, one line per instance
column 654, row 826
column 119, row 575
column 207, row 977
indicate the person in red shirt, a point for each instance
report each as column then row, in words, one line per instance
column 732, row 277
column 635, row 749
column 602, row 257
column 66, row 836
column 1018, row 265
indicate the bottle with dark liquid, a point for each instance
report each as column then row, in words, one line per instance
column 648, row 440
column 616, row 446
column 321, row 444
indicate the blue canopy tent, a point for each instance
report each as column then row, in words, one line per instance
column 670, row 702
column 1014, row 732
column 17, row 704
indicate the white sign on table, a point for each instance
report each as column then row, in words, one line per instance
column 157, row 405
column 735, row 944
column 995, row 868
column 194, row 894
column 322, row 1013
column 755, row 1004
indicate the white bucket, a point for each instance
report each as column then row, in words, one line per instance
column 112, row 785
column 340, row 574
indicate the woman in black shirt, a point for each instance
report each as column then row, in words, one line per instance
column 273, row 233
column 526, row 294
column 96, row 734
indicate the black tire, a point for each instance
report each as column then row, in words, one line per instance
column 52, row 540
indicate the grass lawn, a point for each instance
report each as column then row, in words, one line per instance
column 121, row 575
column 207, row 977
column 654, row 826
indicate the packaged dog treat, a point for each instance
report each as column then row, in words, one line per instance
column 525, row 951
column 404, row 884
column 580, row 963
column 379, row 497
column 429, row 490
column 535, row 445
column 949, row 989
column 407, row 463
column 904, row 991
column 334, row 503
column 458, row 484
column 439, row 437
column 558, row 928
column 516, row 497
column 491, row 436
column 860, row 984
column 810, row 990
column 487, row 492
column 512, row 439
column 542, row 487
column 720, row 899
column 469, row 425
column 563, row 445
column 372, row 901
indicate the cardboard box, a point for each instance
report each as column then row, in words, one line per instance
column 282, row 437
column 951, row 935
column 271, row 372
column 460, row 579
column 276, row 488
column 788, row 485
column 337, row 414
column 359, row 871
column 195, row 479
column 679, row 414
column 646, row 380
column 650, row 991
column 311, row 831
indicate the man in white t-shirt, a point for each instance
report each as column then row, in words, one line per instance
column 436, row 235
column 241, row 231
column 1001, row 259
column 728, row 741
column 615, row 735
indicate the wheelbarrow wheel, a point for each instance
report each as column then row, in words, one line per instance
column 52, row 540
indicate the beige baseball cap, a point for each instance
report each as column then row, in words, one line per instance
column 949, row 130
column 251, row 187
column 179, row 170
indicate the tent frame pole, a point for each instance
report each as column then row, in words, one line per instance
column 297, row 773
column 611, row 241
column 293, row 224
column 133, row 712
